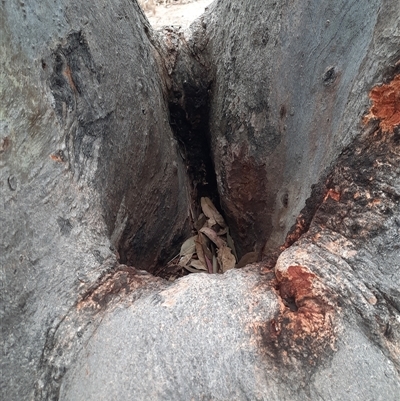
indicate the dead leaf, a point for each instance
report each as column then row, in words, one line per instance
column 184, row 260
column 209, row 265
column 212, row 235
column 205, row 242
column 191, row 270
column 210, row 223
column 226, row 259
column 250, row 257
column 223, row 231
column 200, row 246
column 197, row 264
column 188, row 249
column 215, row 264
column 231, row 245
column 189, row 246
column 211, row 212
column 200, row 222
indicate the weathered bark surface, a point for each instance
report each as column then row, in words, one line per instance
column 290, row 85
column 110, row 132
column 89, row 166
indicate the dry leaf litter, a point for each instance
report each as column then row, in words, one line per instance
column 211, row 250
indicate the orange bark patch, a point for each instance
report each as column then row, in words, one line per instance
column 58, row 156
column 333, row 195
column 297, row 284
column 305, row 328
column 299, row 229
column 386, row 105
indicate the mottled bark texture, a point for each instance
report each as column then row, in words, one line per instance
column 110, row 132
column 89, row 168
column 290, row 86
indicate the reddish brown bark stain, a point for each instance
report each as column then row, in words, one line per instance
column 304, row 332
column 245, row 199
column 310, row 318
column 296, row 282
column 68, row 75
column 299, row 229
column 386, row 105
column 58, row 156
column 122, row 281
column 333, row 195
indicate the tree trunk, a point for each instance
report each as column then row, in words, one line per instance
column 111, row 133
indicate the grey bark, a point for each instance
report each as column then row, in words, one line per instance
column 290, row 87
column 87, row 156
column 110, row 131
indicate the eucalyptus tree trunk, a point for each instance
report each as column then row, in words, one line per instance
column 286, row 115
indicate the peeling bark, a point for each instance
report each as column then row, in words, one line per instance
column 386, row 105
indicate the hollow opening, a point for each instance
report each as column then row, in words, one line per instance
column 188, row 105
column 189, row 112
column 290, row 302
column 189, row 108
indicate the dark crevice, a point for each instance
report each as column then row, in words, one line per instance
column 189, row 116
column 318, row 192
column 290, row 303
column 188, row 100
column 189, row 86
column 189, row 110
